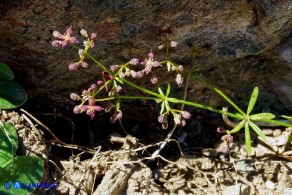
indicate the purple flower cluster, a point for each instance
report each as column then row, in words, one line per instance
column 66, row 38
column 179, row 118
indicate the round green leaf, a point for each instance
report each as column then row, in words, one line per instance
column 8, row 142
column 25, row 170
column 6, row 72
column 12, row 95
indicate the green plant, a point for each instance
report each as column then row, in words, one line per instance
column 22, row 169
column 114, row 77
column 11, row 94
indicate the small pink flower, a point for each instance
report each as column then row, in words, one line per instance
column 64, row 39
column 73, row 66
column 149, row 63
column 173, row 44
column 91, row 108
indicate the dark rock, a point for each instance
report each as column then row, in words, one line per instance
column 243, row 43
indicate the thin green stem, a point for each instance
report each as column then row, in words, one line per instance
column 209, row 108
column 141, row 88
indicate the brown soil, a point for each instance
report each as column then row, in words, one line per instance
column 126, row 166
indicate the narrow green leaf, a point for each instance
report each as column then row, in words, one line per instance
column 160, row 91
column 247, row 140
column 168, row 66
column 257, row 130
column 287, row 117
column 12, row 95
column 168, row 90
column 261, row 116
column 253, row 99
column 280, row 123
column 8, row 142
column 162, row 107
column 227, row 99
column 6, row 72
column 238, row 127
column 119, row 80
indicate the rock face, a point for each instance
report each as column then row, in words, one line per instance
column 242, row 43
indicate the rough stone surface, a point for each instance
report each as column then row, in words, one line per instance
column 242, row 43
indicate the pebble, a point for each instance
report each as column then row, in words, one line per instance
column 268, row 131
column 270, row 184
column 239, row 189
column 245, row 165
column 207, row 164
column 277, row 132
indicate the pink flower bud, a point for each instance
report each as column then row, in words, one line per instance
column 180, row 68
column 93, row 36
column 73, row 66
column 74, row 96
column 114, row 68
column 179, row 79
column 221, row 130
column 84, row 64
column 173, row 44
column 83, row 33
column 161, row 118
column 121, row 75
column 134, row 61
column 81, row 52
column 119, row 115
column 99, row 82
column 154, row 80
column 160, row 46
column 186, row 115
column 77, row 110
column 118, row 88
column 92, row 87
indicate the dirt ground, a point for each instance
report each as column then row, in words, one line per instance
column 192, row 162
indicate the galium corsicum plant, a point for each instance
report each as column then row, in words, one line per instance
column 113, row 78
column 23, row 169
